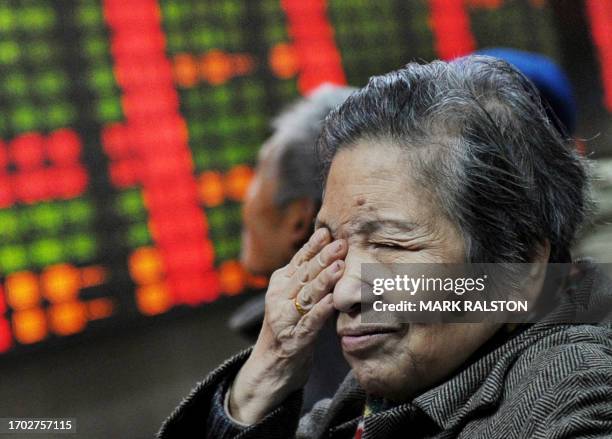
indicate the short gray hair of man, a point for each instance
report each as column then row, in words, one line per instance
column 296, row 131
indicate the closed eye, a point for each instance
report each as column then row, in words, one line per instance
column 387, row 246
column 391, row 246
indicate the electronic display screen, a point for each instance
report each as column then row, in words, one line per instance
column 129, row 131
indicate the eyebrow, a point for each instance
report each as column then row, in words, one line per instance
column 369, row 227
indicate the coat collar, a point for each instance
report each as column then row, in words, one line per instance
column 476, row 387
column 480, row 384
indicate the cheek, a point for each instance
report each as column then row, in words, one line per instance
column 248, row 239
column 249, row 212
column 255, row 217
column 438, row 350
column 424, row 342
column 390, row 369
column 254, row 202
column 409, row 356
column 254, row 225
column 254, row 238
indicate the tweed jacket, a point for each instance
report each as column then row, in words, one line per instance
column 546, row 381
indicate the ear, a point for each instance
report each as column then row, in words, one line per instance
column 537, row 270
column 540, row 259
column 299, row 215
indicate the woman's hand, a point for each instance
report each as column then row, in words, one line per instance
column 280, row 361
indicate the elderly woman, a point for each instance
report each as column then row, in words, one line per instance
column 443, row 162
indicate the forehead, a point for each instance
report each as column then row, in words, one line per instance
column 372, row 181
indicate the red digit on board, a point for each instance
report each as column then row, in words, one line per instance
column 45, row 168
column 154, row 139
column 451, row 28
column 313, row 41
column 600, row 16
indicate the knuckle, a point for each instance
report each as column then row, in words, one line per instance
column 305, row 296
column 277, row 274
column 308, row 250
column 297, row 255
column 317, row 264
column 269, row 304
column 321, row 283
column 311, row 323
column 303, row 274
column 299, row 259
column 322, row 260
column 304, row 329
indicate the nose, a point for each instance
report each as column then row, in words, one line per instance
column 347, row 292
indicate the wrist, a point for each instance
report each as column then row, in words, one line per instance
column 261, row 385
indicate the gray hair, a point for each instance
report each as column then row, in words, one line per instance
column 480, row 140
column 295, row 132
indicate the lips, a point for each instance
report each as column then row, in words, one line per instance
column 364, row 337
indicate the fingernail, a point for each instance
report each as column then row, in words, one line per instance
column 338, row 247
column 337, row 266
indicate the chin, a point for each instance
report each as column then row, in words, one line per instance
column 257, row 266
column 373, row 377
column 252, row 267
column 384, row 378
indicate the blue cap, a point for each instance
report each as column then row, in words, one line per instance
column 550, row 79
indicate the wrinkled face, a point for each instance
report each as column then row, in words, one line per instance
column 265, row 245
column 372, row 202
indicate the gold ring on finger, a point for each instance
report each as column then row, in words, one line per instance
column 300, row 309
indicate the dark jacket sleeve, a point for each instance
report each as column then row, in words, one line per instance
column 201, row 415
column 580, row 407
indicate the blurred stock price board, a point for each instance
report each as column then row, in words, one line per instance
column 129, row 129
